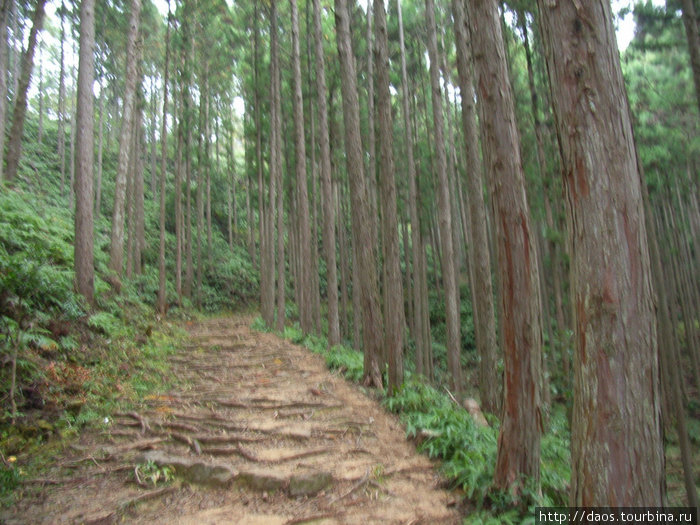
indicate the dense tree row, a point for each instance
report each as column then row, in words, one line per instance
column 419, row 182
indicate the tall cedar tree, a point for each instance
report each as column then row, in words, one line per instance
column 84, row 156
column 616, row 375
column 393, row 287
column 116, row 252
column 162, row 302
column 479, row 253
column 518, row 457
column 276, row 167
column 449, row 274
column 326, row 184
column 305, row 306
column 366, row 283
column 4, row 56
column 421, row 317
column 14, row 146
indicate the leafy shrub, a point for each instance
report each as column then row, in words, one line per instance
column 347, row 361
column 104, row 322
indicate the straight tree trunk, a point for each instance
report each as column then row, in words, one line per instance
column 199, row 197
column 139, row 216
column 116, row 252
column 690, row 21
column 162, row 299
column 616, row 375
column 281, row 276
column 420, row 319
column 179, row 215
column 130, row 229
column 305, row 306
column 40, row 130
column 449, row 273
column 152, row 130
column 84, row 152
column 100, row 145
column 61, row 143
column 344, row 277
column 14, row 146
column 394, row 316
column 189, row 264
column 479, row 255
column 518, row 457
column 268, row 248
column 372, row 330
column 326, row 184
column 371, row 136
column 4, row 54
column 207, row 156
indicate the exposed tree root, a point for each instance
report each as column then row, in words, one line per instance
column 142, row 421
column 313, row 517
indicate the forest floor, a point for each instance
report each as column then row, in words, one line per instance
column 258, row 432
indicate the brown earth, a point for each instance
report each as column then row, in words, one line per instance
column 263, row 434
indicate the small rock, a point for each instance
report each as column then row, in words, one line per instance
column 193, row 470
column 261, row 479
column 472, row 406
column 309, row 483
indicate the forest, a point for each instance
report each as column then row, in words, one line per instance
column 484, row 213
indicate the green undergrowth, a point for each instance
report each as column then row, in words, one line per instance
column 467, row 451
column 74, row 365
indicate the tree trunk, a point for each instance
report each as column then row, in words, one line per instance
column 162, row 299
column 305, row 306
column 84, row 157
column 419, row 314
column 207, row 156
column 116, row 252
column 179, row 220
column 479, row 255
column 281, row 278
column 393, row 287
column 326, row 184
column 449, row 274
column 690, row 20
column 4, row 54
column 364, row 264
column 100, row 147
column 40, row 130
column 371, row 137
column 616, row 376
column 189, row 264
column 152, row 131
column 61, row 142
column 139, row 215
column 14, row 146
column 519, row 438
column 130, row 230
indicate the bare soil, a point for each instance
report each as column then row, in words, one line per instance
column 262, row 434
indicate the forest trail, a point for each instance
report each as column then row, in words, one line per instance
column 262, row 433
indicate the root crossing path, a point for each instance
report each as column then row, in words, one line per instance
column 262, row 434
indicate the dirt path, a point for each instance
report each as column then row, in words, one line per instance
column 264, row 435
